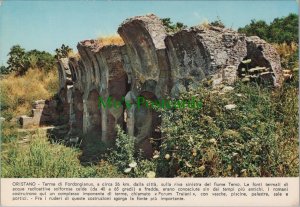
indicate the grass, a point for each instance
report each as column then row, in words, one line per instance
column 288, row 54
column 19, row 92
column 41, row 159
column 258, row 138
column 110, row 40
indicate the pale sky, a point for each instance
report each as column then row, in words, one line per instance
column 45, row 25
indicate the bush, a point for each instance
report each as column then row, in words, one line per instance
column 41, row 60
column 4, row 70
column 63, row 51
column 124, row 151
column 20, row 61
column 281, row 30
column 258, row 136
column 172, row 28
column 217, row 23
column 127, row 159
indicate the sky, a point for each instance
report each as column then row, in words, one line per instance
column 46, row 25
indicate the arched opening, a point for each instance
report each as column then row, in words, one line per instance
column 117, row 89
column 255, row 67
column 78, row 111
column 147, row 122
column 257, row 60
column 94, row 114
column 63, row 107
column 73, row 73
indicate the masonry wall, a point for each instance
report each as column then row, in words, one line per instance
column 153, row 64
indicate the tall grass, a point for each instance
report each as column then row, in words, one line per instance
column 41, row 159
column 110, row 40
column 19, row 92
column 288, row 54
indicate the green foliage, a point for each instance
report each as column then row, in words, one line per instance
column 40, row 59
column 284, row 29
column 172, row 28
column 257, row 137
column 41, row 159
column 217, row 23
column 17, row 60
column 280, row 30
column 4, row 70
column 102, row 170
column 256, row 28
column 8, row 132
column 124, row 151
column 20, row 60
column 127, row 160
column 63, row 51
column 38, row 160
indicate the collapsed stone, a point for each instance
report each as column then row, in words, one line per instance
column 154, row 65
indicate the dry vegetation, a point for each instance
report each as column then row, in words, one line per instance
column 288, row 54
column 110, row 40
column 258, row 138
column 19, row 92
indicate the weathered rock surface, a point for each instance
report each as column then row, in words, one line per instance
column 43, row 113
column 153, row 64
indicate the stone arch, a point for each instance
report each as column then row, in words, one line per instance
column 147, row 121
column 257, row 59
column 190, row 58
column 73, row 72
column 78, row 111
column 143, row 37
column 93, row 114
column 263, row 54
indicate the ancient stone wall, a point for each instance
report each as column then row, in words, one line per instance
column 153, row 64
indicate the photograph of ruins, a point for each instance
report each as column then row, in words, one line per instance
column 54, row 122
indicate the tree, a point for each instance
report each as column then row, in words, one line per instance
column 170, row 27
column 20, row 60
column 280, row 30
column 63, row 51
column 284, row 29
column 4, row 70
column 17, row 58
column 40, row 59
column 256, row 28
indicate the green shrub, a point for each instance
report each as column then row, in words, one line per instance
column 127, row 160
column 280, row 30
column 63, row 51
column 20, row 60
column 172, row 28
column 259, row 137
column 124, row 152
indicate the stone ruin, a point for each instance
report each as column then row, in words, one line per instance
column 153, row 64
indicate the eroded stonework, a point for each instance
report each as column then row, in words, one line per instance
column 152, row 64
